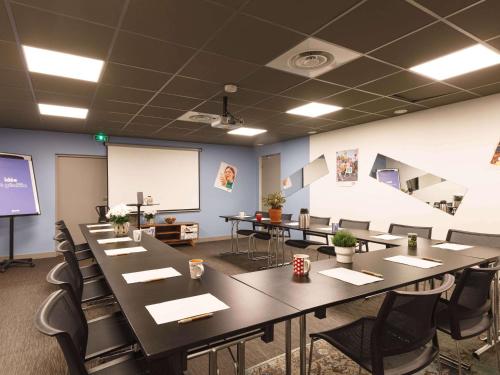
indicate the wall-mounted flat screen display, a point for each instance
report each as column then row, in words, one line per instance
column 389, row 177
column 18, row 192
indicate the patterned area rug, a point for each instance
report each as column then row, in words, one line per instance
column 328, row 361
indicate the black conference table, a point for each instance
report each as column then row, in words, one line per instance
column 317, row 292
column 166, row 347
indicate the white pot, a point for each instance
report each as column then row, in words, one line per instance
column 344, row 254
column 121, row 229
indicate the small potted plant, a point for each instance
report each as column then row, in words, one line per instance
column 275, row 202
column 119, row 217
column 345, row 244
column 149, row 215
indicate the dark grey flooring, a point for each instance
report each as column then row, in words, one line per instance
column 24, row 351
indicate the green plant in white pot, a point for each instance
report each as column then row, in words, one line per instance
column 118, row 216
column 345, row 244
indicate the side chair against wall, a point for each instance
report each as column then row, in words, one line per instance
column 401, row 229
column 307, row 244
column 356, row 224
column 89, row 271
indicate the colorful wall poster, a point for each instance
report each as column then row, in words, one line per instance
column 347, row 166
column 226, row 177
column 496, row 156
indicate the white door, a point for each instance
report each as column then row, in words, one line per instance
column 81, row 184
column 270, row 175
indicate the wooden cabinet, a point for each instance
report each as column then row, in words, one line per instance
column 176, row 233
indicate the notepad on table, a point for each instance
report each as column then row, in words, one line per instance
column 413, row 261
column 183, row 308
column 324, row 228
column 124, row 251
column 113, row 240
column 452, row 246
column 150, row 275
column 387, row 237
column 350, row 276
column 101, row 230
column 98, row 225
column 293, row 223
column 265, row 219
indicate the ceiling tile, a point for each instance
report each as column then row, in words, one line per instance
column 62, row 124
column 16, row 114
column 5, row 29
column 168, row 113
column 284, row 119
column 357, row 72
column 338, row 125
column 315, row 123
column 243, row 98
column 478, row 78
column 209, row 132
column 270, row 80
column 378, row 105
column 480, row 20
column 11, row 58
column 96, row 116
column 211, row 67
column 13, row 78
column 192, row 87
column 142, row 52
column 349, row 98
column 169, row 132
column 105, row 12
column 186, row 125
column 445, row 8
column 254, row 115
column 123, row 94
column 104, row 126
column 62, row 85
column 188, row 22
column 174, row 101
column 367, row 26
column 312, row 90
column 120, row 107
column 63, row 99
column 432, row 42
column 426, row 92
column 488, row 89
column 303, row 16
column 409, row 107
column 280, row 104
column 344, row 114
column 16, row 94
column 127, row 76
column 50, row 31
column 397, row 82
column 448, row 99
column 238, row 39
column 495, row 43
column 292, row 130
column 366, row 118
column 151, row 121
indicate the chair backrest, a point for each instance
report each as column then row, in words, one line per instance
column 473, row 238
column 354, row 224
column 65, row 277
column 58, row 316
column 409, row 317
column 471, row 298
column 60, row 237
column 286, row 217
column 320, row 220
column 65, row 249
column 424, row 232
column 64, row 229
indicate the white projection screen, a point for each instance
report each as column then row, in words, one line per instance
column 170, row 175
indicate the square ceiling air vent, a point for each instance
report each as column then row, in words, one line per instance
column 206, row 118
column 313, row 57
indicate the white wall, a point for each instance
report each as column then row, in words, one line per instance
column 455, row 142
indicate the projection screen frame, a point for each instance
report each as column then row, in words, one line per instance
column 198, row 149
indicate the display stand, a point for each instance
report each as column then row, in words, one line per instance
column 10, row 262
column 138, row 206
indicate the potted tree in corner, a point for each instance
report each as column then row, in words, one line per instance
column 345, row 244
column 275, row 202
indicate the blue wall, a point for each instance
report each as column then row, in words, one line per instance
column 34, row 234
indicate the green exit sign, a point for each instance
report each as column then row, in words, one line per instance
column 101, row 137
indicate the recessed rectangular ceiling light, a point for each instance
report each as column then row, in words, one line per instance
column 314, row 109
column 62, row 64
column 457, row 63
column 248, row 132
column 62, row 111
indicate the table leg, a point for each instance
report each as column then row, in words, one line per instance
column 288, row 346
column 234, row 242
column 240, row 354
column 212, row 362
column 303, row 342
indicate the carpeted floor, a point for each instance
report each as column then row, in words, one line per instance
column 24, row 351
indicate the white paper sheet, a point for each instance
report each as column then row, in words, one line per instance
column 113, row 240
column 413, row 261
column 241, row 217
column 98, row 225
column 265, row 219
column 324, row 228
column 183, row 308
column 124, row 251
column 350, row 276
column 452, row 246
column 150, row 275
column 293, row 223
column 101, row 230
column 387, row 237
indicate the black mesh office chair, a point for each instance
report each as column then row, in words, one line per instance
column 473, row 238
column 60, row 225
column 65, row 235
column 58, row 316
column 88, row 272
column 309, row 244
column 402, row 338
column 356, row 224
column 256, row 227
column 401, row 229
column 469, row 312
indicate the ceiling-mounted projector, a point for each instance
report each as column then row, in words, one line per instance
column 227, row 121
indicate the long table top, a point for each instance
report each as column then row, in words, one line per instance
column 249, row 308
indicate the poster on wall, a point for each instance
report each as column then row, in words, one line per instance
column 347, row 167
column 496, row 156
column 226, row 177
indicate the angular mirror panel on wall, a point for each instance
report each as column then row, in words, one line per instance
column 305, row 176
column 426, row 187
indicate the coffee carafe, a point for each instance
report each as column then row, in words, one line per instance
column 102, row 211
column 304, row 218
